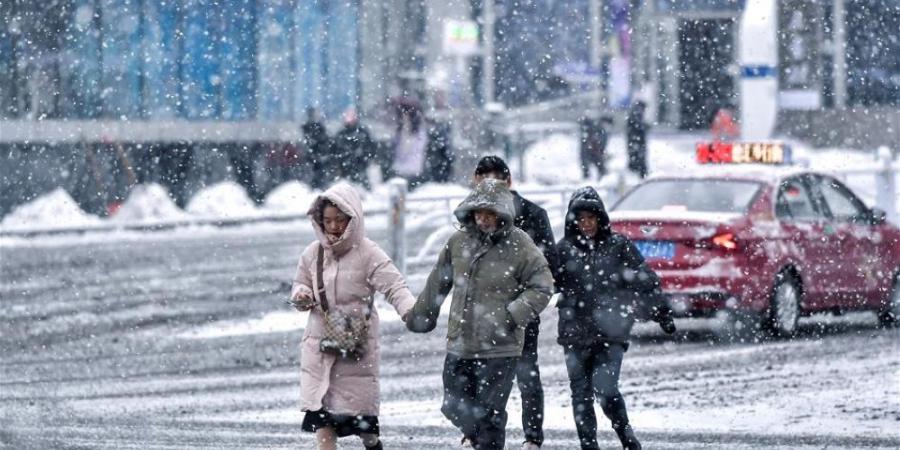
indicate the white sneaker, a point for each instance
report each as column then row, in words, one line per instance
column 530, row 446
column 465, row 443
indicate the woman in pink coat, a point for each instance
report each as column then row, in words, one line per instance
column 341, row 395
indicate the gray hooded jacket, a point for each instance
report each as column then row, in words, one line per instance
column 500, row 281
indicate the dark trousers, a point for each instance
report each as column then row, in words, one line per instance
column 594, row 372
column 528, row 377
column 475, row 396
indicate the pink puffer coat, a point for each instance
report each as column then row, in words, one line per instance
column 354, row 268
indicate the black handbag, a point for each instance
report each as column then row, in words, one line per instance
column 345, row 334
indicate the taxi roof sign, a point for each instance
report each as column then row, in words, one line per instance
column 743, row 153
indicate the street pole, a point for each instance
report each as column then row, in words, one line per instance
column 840, row 54
column 594, row 60
column 397, row 197
column 487, row 69
column 886, row 192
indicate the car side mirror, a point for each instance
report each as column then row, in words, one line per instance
column 877, row 216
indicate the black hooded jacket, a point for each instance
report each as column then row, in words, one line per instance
column 533, row 220
column 604, row 281
column 353, row 148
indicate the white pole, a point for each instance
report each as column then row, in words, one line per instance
column 886, row 193
column 758, row 56
column 398, row 189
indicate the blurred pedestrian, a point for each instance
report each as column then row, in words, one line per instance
column 533, row 220
column 409, row 142
column 282, row 161
column 594, row 139
column 500, row 282
column 605, row 284
column 336, row 278
column 723, row 127
column 318, row 149
column 636, row 130
column 439, row 153
column 353, row 149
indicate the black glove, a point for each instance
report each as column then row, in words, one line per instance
column 667, row 325
column 421, row 318
column 420, row 324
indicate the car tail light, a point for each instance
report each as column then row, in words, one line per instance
column 725, row 240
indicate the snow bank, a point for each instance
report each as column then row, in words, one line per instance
column 553, row 160
column 292, row 197
column 273, row 322
column 439, row 190
column 418, row 200
column 149, row 203
column 56, row 209
column 223, row 200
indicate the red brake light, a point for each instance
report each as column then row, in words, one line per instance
column 726, row 241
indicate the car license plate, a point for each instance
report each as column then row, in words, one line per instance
column 656, row 249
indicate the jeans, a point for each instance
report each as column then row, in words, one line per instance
column 528, row 377
column 475, row 396
column 594, row 372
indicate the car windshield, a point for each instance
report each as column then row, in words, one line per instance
column 701, row 195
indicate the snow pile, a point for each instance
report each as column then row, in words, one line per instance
column 292, row 197
column 54, row 210
column 274, row 322
column 426, row 196
column 553, row 160
column 427, row 190
column 223, row 200
column 378, row 197
column 149, row 202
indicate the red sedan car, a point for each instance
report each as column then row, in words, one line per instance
column 776, row 243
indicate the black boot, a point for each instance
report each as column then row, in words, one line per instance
column 377, row 446
column 627, row 438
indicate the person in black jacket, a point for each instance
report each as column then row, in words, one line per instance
column 636, row 130
column 604, row 284
column 353, row 148
column 318, row 149
column 594, row 140
column 438, row 151
column 533, row 220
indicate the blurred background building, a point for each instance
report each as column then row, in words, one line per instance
column 220, row 84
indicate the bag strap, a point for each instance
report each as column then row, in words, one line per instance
column 320, row 260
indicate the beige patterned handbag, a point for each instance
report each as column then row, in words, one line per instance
column 345, row 334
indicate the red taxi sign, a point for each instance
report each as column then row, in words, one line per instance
column 743, row 153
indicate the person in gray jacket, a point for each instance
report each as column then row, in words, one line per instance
column 501, row 282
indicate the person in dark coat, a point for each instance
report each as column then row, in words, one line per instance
column 438, row 153
column 605, row 284
column 594, row 139
column 353, row 148
column 636, row 130
column 533, row 220
column 318, row 149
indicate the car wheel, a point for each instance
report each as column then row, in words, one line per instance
column 890, row 315
column 784, row 309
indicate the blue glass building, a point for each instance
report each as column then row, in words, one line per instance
column 178, row 59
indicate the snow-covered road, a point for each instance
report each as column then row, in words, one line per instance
column 181, row 340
